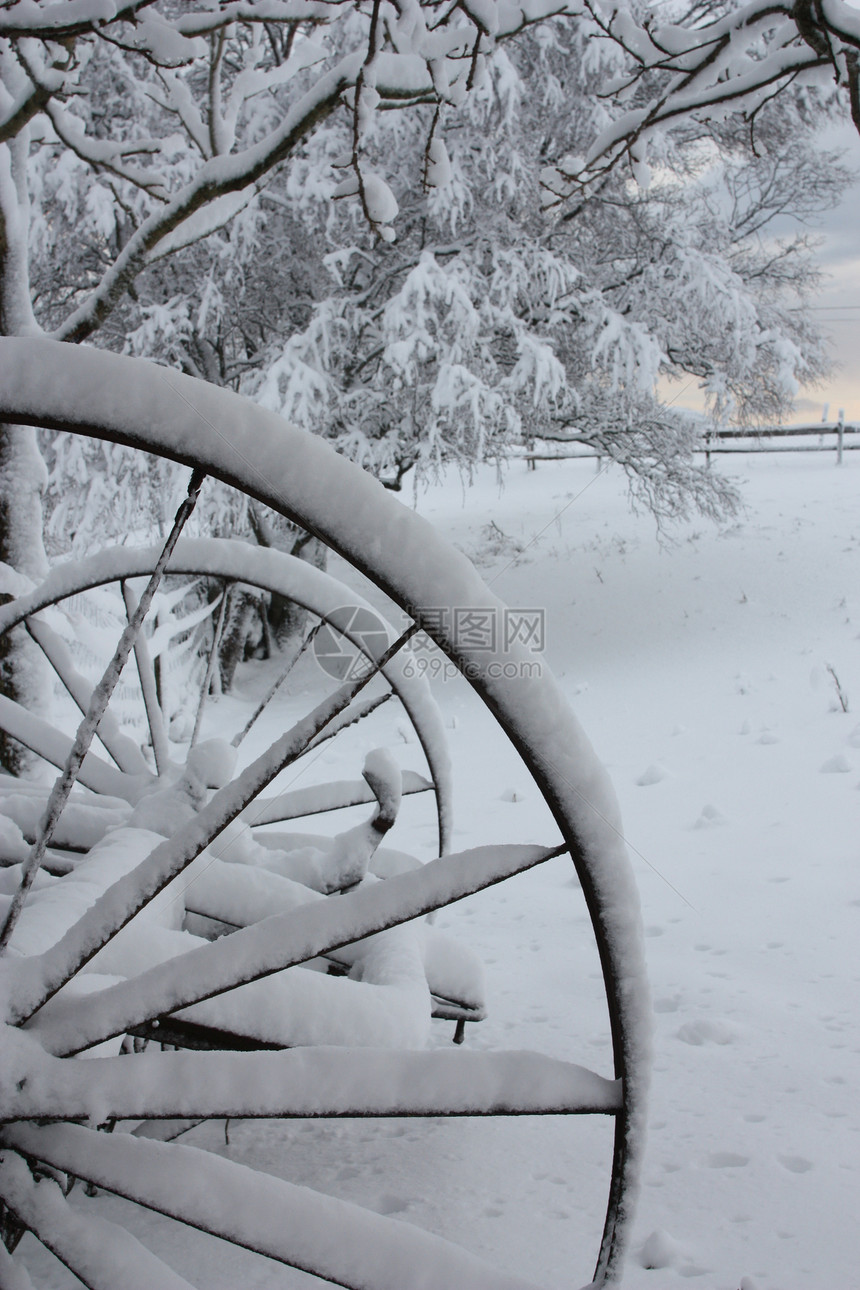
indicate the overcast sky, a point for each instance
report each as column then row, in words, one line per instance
column 839, row 304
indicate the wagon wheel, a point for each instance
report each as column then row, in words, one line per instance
column 160, row 411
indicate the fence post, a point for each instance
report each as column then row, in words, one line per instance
column 840, row 436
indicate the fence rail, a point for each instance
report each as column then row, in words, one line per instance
column 735, row 441
column 715, row 440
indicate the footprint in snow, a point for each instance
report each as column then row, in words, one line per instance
column 838, row 765
column 698, row 1033
column 390, row 1204
column 768, row 737
column 795, row 1164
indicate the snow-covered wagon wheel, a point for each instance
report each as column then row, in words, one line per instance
column 51, row 1105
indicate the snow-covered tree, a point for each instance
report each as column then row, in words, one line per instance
column 488, row 323
column 712, row 61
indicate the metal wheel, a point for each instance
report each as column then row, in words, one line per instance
column 52, row 1016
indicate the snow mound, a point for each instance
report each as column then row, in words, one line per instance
column 654, row 774
column 660, row 1250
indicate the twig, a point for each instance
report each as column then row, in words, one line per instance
column 840, row 693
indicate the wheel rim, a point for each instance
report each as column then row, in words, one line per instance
column 116, row 398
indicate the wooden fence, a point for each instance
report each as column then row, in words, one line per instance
column 829, row 436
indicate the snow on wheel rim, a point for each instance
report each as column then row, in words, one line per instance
column 158, row 410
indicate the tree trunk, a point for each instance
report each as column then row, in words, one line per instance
column 243, row 608
column 24, row 675
column 286, row 618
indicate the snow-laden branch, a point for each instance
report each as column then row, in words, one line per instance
column 50, row 20
column 22, row 110
column 245, row 109
column 731, row 63
column 205, row 204
column 103, row 156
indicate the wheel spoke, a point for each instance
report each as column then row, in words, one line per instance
column 42, row 975
column 56, row 749
column 290, row 1224
column 317, row 1082
column 351, row 716
column 281, row 941
column 97, row 705
column 101, row 1254
column 318, row 799
column 82, row 825
column 148, row 687
column 211, row 660
column 271, row 570
column 273, row 689
column 124, row 751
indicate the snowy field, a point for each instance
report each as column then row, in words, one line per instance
column 700, row 673
column 700, row 670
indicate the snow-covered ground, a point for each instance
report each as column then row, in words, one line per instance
column 699, row 667
column 700, row 670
